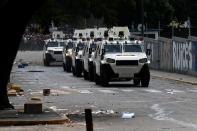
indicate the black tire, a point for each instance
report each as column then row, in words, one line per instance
column 64, row 66
column 145, row 76
column 96, row 77
column 91, row 72
column 78, row 69
column 46, row 62
column 136, row 80
column 104, row 77
column 73, row 70
column 68, row 65
column 85, row 74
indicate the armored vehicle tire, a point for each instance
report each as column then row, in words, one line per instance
column 46, row 63
column 91, row 72
column 104, row 77
column 78, row 69
column 96, row 77
column 145, row 76
column 136, row 80
column 68, row 65
column 85, row 74
column 73, row 70
column 64, row 66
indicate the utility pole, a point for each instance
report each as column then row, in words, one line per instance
column 189, row 25
column 142, row 18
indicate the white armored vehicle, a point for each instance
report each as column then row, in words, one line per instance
column 52, row 51
column 95, row 36
column 88, row 54
column 121, row 60
column 68, row 50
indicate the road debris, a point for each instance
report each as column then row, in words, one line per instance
column 107, row 112
column 46, row 92
column 14, row 90
column 54, row 108
column 36, row 98
column 128, row 115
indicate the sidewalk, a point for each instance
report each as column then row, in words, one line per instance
column 16, row 117
column 174, row 76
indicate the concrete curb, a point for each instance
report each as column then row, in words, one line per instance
column 17, row 122
column 175, row 79
column 18, row 118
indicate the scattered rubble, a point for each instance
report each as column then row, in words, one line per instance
column 14, row 90
column 36, row 99
column 107, row 112
column 128, row 115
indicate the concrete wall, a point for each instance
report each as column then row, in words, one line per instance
column 173, row 55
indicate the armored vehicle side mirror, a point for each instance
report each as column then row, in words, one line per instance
column 148, row 51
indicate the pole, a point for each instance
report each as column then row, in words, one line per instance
column 142, row 18
column 88, row 118
column 189, row 23
column 159, row 27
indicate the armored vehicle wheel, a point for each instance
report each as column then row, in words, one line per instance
column 68, row 65
column 73, row 70
column 46, row 63
column 91, row 72
column 104, row 78
column 96, row 77
column 64, row 66
column 78, row 70
column 85, row 74
column 145, row 76
column 136, row 80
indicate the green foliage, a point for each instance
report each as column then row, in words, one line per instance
column 114, row 12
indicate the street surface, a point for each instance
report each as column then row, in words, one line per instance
column 166, row 105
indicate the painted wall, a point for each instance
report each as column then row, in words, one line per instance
column 173, row 55
column 182, row 55
column 165, row 54
column 154, row 56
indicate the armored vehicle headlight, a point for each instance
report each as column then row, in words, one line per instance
column 109, row 60
column 144, row 60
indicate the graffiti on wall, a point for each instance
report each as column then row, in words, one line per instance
column 182, row 56
column 165, row 49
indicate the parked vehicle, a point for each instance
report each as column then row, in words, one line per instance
column 52, row 51
column 88, row 54
column 121, row 60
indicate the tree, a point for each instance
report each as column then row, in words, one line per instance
column 22, row 10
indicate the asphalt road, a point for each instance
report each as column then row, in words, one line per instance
column 166, row 105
